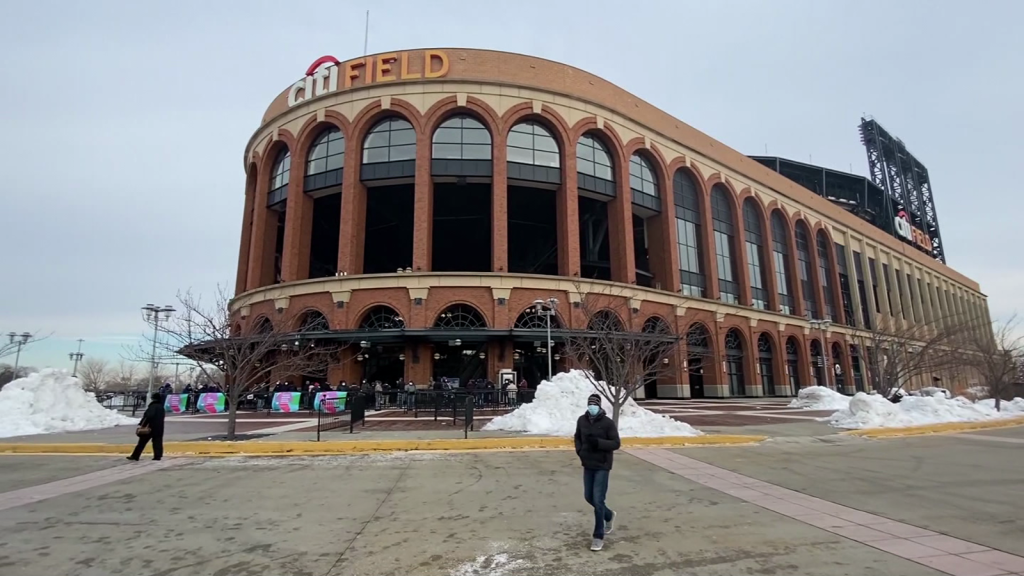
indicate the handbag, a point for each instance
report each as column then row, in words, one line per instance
column 143, row 431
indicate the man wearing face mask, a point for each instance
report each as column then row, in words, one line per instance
column 596, row 439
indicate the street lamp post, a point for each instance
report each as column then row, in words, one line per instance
column 823, row 326
column 547, row 308
column 76, row 357
column 155, row 314
column 19, row 340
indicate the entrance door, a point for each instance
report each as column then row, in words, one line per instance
column 696, row 373
column 651, row 389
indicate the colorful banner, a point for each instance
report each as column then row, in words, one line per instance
column 336, row 406
column 285, row 402
column 176, row 403
column 212, row 403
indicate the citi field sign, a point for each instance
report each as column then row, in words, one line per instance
column 326, row 73
column 905, row 230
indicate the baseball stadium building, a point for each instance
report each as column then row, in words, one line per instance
column 412, row 206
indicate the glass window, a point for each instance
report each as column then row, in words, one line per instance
column 825, row 272
column 461, row 138
column 849, row 318
column 755, row 246
column 391, row 140
column 281, row 172
column 910, row 294
column 888, row 288
column 807, row 280
column 327, row 153
column 780, row 254
column 721, row 222
column 858, row 265
column 688, row 234
column 531, row 143
column 641, row 176
column 874, row 284
column 592, row 158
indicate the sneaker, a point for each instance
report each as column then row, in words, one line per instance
column 610, row 524
column 597, row 544
column 132, row 459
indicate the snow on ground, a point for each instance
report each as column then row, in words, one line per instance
column 559, row 403
column 874, row 411
column 819, row 398
column 51, row 401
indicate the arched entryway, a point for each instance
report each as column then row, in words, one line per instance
column 383, row 359
column 734, row 363
column 817, row 364
column 858, row 371
column 460, row 359
column 793, row 365
column 765, row 361
column 530, row 354
column 658, row 326
column 837, row 367
column 698, row 357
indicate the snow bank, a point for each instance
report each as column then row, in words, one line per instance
column 819, row 398
column 932, row 391
column 51, row 401
column 874, row 411
column 560, row 402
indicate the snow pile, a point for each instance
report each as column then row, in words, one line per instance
column 874, row 411
column 560, row 402
column 820, row 398
column 51, row 401
column 932, row 391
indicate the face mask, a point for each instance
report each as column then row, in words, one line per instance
column 593, row 410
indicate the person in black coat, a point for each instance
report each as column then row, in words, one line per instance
column 154, row 420
column 596, row 439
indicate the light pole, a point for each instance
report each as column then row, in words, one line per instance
column 823, row 326
column 547, row 308
column 19, row 340
column 155, row 314
column 77, row 357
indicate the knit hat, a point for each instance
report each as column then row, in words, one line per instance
column 594, row 400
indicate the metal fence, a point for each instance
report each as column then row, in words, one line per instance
column 441, row 402
column 125, row 402
column 358, row 412
column 330, row 415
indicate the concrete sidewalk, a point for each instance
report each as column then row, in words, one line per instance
column 431, row 514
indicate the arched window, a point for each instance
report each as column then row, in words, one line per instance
column 817, row 364
column 641, row 176
column 263, row 326
column 391, row 140
column 381, row 318
column 592, row 158
column 793, row 365
column 698, row 355
column 531, row 143
column 529, row 319
column 656, row 325
column 605, row 321
column 734, row 362
column 280, row 175
column 836, row 366
column 721, row 221
column 825, row 271
column 765, row 360
column 326, row 160
column 461, row 138
column 314, row 321
column 780, row 254
column 460, row 317
column 755, row 251
column 688, row 234
column 803, row 256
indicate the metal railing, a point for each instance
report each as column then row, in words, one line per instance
column 330, row 415
column 439, row 402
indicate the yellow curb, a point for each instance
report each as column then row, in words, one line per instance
column 947, row 428
column 366, row 446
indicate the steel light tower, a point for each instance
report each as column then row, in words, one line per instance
column 155, row 314
column 76, row 357
column 19, row 340
column 547, row 308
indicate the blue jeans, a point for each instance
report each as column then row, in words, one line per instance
column 595, row 488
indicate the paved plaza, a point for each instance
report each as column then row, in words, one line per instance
column 815, row 505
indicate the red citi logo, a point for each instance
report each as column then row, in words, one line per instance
column 906, row 230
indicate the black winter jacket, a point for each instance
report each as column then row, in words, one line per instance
column 603, row 429
column 154, row 418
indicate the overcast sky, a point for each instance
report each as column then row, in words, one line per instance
column 126, row 122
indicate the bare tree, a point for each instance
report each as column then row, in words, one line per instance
column 898, row 352
column 123, row 378
column 617, row 360
column 9, row 346
column 7, row 374
column 93, row 373
column 244, row 361
column 997, row 358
